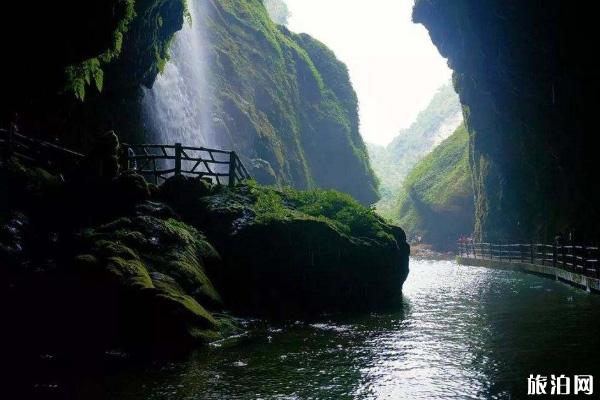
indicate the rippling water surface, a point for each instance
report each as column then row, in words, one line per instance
column 462, row 333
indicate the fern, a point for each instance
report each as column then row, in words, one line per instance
column 81, row 75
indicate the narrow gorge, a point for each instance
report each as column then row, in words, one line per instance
column 298, row 199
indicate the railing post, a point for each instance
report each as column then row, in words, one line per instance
column 554, row 255
column 521, row 256
column 177, row 158
column 232, row 162
column 564, row 259
column 531, row 251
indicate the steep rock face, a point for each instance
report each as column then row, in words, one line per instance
column 393, row 162
column 282, row 101
column 436, row 201
column 77, row 69
column 529, row 89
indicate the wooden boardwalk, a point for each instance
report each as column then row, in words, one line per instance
column 156, row 162
column 574, row 264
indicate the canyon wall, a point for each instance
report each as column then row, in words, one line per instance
column 283, row 101
column 528, row 84
column 435, row 204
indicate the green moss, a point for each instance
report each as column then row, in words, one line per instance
column 166, row 246
column 284, row 99
column 289, row 252
column 436, row 202
column 133, row 272
column 158, row 264
column 170, row 290
column 81, row 75
column 338, row 209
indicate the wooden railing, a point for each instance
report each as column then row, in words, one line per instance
column 581, row 259
column 160, row 161
column 46, row 154
column 155, row 162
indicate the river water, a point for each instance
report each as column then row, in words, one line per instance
column 462, row 333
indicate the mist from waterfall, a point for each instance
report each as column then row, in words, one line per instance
column 177, row 108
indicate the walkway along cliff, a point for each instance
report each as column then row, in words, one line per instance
column 573, row 264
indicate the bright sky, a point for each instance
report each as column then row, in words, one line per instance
column 394, row 67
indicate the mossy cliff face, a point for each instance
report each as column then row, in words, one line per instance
column 77, row 67
column 283, row 101
column 529, row 90
column 436, row 202
column 393, row 162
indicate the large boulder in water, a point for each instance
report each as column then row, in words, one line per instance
column 290, row 254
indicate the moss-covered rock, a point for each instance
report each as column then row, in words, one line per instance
column 158, row 265
column 139, row 274
column 289, row 253
column 137, row 280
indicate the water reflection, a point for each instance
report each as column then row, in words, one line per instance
column 462, row 333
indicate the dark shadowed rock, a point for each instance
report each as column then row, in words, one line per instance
column 283, row 262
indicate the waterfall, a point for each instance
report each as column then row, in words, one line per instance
column 177, row 108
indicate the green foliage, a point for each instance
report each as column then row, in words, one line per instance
column 355, row 218
column 285, row 100
column 437, row 197
column 80, row 76
column 444, row 173
column 336, row 208
column 269, row 206
column 393, row 162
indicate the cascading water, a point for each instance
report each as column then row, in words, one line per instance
column 177, row 108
